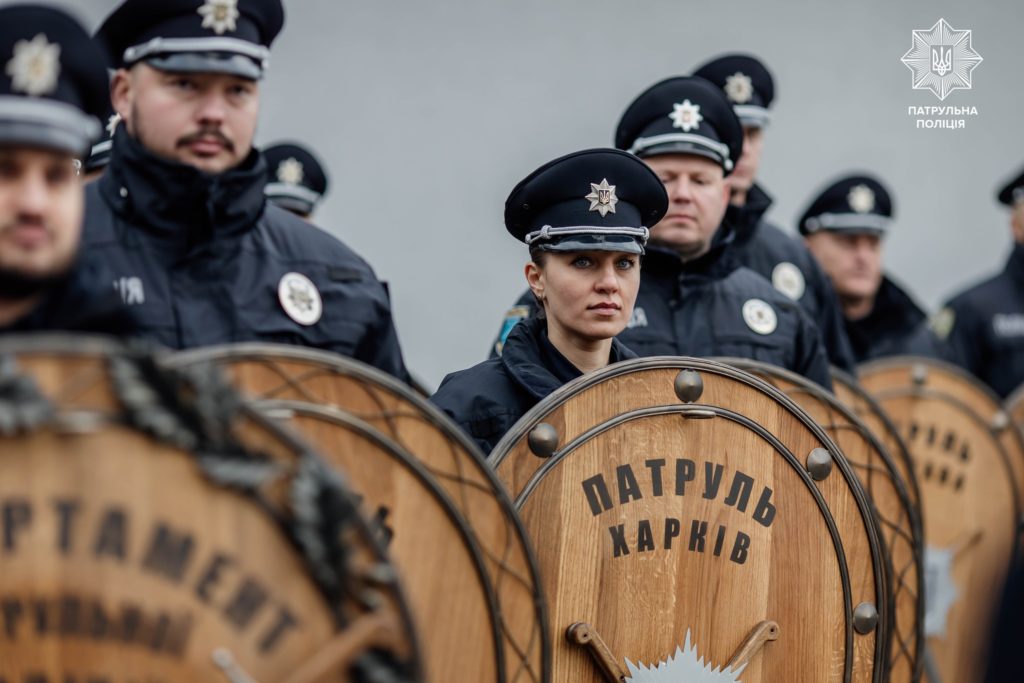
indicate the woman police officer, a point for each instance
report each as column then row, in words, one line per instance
column 584, row 217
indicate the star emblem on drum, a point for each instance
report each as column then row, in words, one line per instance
column 602, row 198
column 684, row 665
column 220, row 15
column 861, row 198
column 941, row 59
column 941, row 591
column 35, row 66
column 739, row 88
column 290, row 172
column 300, row 298
column 686, row 115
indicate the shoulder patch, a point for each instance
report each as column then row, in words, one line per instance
column 638, row 318
column 514, row 315
column 300, row 299
column 789, row 280
column 760, row 316
column 942, row 323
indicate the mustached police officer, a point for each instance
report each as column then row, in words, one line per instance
column 53, row 86
column 759, row 244
column 695, row 298
column 180, row 213
column 298, row 181
column 985, row 323
column 844, row 227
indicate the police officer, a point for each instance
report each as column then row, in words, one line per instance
column 759, row 244
column 985, row 323
column 844, row 227
column 297, row 178
column 180, row 213
column 52, row 87
column 584, row 217
column 695, row 298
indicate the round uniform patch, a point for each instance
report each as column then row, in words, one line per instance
column 788, row 279
column 942, row 323
column 300, row 298
column 759, row 316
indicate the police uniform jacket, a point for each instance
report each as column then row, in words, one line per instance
column 488, row 398
column 81, row 302
column 896, row 326
column 200, row 259
column 763, row 247
column 987, row 334
column 710, row 306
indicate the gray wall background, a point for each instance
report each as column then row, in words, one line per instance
column 427, row 113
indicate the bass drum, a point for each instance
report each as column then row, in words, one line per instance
column 898, row 518
column 157, row 529
column 852, row 395
column 461, row 551
column 969, row 502
column 692, row 523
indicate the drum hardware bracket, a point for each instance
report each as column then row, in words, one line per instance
column 865, row 618
column 689, row 386
column 919, row 374
column 1000, row 421
column 543, row 440
column 225, row 661
column 697, row 413
column 585, row 636
column 819, row 464
column 761, row 634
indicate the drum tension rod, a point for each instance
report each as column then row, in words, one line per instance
column 585, row 636
column 762, row 633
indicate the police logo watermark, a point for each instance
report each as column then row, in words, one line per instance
column 759, row 316
column 941, row 59
column 788, row 279
column 602, row 198
column 685, row 665
column 300, row 299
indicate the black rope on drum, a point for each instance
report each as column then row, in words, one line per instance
column 23, row 407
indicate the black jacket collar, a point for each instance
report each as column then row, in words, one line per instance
column 894, row 312
column 745, row 219
column 536, row 365
column 177, row 203
column 716, row 264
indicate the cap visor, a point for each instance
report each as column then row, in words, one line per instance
column 212, row 62
column 621, row 243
